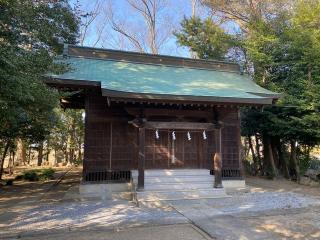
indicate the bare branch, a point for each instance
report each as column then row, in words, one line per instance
column 148, row 32
column 89, row 18
column 118, row 28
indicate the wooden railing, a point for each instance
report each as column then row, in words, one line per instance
column 109, row 176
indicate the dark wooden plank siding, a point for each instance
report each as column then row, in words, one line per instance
column 123, row 148
column 231, row 163
column 230, row 147
column 98, row 144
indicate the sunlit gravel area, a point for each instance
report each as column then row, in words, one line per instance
column 262, row 201
column 123, row 214
column 244, row 202
column 255, row 215
column 106, row 214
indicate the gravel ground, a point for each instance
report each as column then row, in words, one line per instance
column 108, row 214
column 263, row 201
column 166, row 232
column 243, row 202
column 255, row 215
column 34, row 211
column 123, row 214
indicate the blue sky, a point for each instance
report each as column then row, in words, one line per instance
column 172, row 15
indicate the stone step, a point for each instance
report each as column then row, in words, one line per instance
column 173, row 173
column 148, row 196
column 148, row 183
column 184, row 179
column 175, row 187
column 176, row 180
column 165, row 185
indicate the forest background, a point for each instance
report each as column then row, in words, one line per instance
column 276, row 42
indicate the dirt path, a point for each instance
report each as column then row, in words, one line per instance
column 164, row 232
column 281, row 185
column 277, row 209
column 267, row 209
column 25, row 193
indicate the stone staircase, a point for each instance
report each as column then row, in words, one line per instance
column 162, row 185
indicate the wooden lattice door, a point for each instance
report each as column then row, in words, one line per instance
column 157, row 150
column 165, row 152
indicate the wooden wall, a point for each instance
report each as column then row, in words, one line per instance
column 104, row 123
column 230, row 138
column 101, row 124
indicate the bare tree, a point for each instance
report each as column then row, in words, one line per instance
column 140, row 25
column 196, row 8
column 154, row 31
column 244, row 11
column 92, row 25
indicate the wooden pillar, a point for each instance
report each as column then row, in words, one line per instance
column 217, row 159
column 141, row 160
column 87, row 119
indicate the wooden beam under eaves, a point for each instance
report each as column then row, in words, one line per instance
column 178, row 125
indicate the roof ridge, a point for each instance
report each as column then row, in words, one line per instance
column 100, row 53
column 151, row 54
column 156, row 64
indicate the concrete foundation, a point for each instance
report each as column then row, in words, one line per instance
column 104, row 190
column 162, row 185
column 231, row 184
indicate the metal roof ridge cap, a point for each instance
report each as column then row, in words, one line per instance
column 154, row 55
column 155, row 64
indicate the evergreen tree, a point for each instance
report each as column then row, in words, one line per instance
column 30, row 32
column 205, row 38
column 280, row 50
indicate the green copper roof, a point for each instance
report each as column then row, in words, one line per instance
column 142, row 78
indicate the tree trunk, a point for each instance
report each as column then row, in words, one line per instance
column 40, row 154
column 11, row 162
column 29, row 155
column 258, row 153
column 23, row 152
column 71, row 155
column 72, row 141
column 246, row 149
column 13, row 159
column 254, row 158
column 79, row 149
column 3, row 157
column 79, row 154
column 271, row 158
column 275, row 153
column 293, row 159
column 66, row 156
column 55, row 157
column 269, row 166
column 48, row 155
column 283, row 162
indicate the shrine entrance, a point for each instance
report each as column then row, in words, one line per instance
column 167, row 153
column 187, row 149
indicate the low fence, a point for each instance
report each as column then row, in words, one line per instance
column 229, row 173
column 109, row 176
